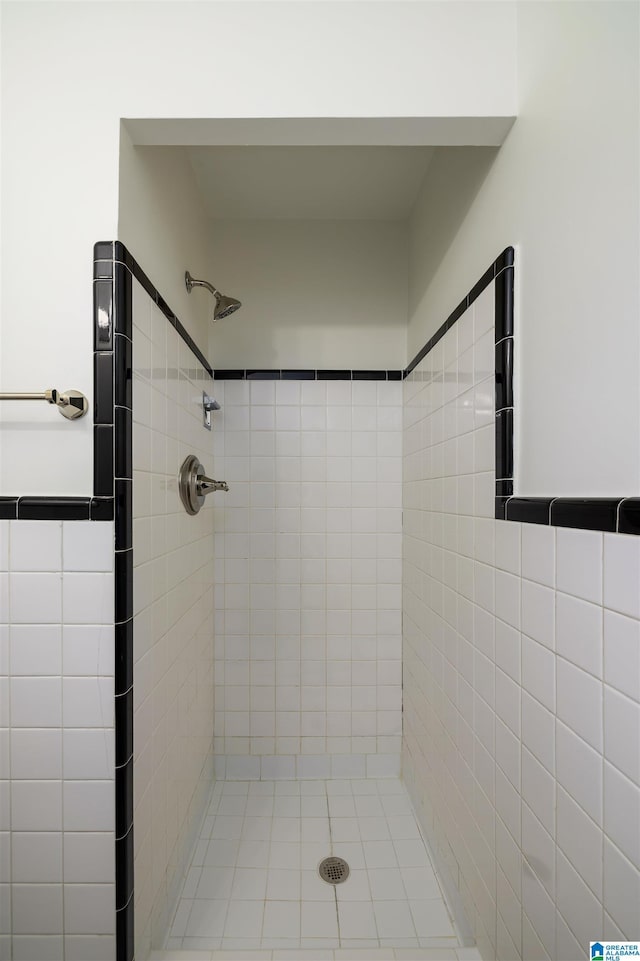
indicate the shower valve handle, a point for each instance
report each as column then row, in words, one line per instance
column 194, row 485
column 206, row 485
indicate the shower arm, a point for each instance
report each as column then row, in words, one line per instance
column 190, row 283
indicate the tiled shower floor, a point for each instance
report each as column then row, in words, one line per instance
column 253, row 882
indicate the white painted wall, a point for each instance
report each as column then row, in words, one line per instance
column 71, row 71
column 564, row 189
column 161, row 221
column 314, row 293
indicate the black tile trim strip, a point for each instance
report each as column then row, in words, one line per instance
column 123, row 257
column 277, row 374
column 615, row 514
column 113, row 469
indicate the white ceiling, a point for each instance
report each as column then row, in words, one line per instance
column 310, row 183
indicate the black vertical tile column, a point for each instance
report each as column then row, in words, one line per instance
column 113, row 325
column 503, row 305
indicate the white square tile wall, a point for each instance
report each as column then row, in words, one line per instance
column 522, row 691
column 56, row 740
column 308, row 568
column 173, row 610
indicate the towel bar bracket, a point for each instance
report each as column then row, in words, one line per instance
column 71, row 403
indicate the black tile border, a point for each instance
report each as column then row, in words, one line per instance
column 273, row 373
column 611, row 514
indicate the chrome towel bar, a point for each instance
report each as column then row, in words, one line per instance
column 71, row 403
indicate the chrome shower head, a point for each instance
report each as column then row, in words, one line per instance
column 224, row 305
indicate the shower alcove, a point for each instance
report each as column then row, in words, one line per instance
column 267, row 640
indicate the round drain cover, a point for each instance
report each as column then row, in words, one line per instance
column 334, row 870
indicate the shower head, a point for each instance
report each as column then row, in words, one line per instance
column 224, row 305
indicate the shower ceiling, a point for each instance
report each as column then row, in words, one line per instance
column 310, row 183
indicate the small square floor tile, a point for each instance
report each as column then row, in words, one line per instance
column 318, row 919
column 356, row 920
column 244, row 919
column 281, row 919
column 393, row 919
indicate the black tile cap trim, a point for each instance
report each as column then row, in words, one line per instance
column 504, row 444
column 504, row 304
column 123, row 301
column 123, row 586
column 506, row 259
column 157, row 298
column 504, row 373
column 369, row 375
column 529, row 510
column 262, row 374
column 103, row 461
column 125, row 933
column 395, row 375
column 8, row 508
column 483, row 283
column 501, row 508
column 102, row 508
column 228, row 375
column 123, row 371
column 298, row 374
column 333, row 375
column 586, row 513
column 124, row 656
column 54, row 508
column 124, row 727
column 103, row 250
column 124, row 798
column 123, row 514
column 124, row 869
column 103, row 387
column 103, row 315
column 629, row 516
column 504, row 488
column 123, row 443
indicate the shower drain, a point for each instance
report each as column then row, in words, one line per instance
column 333, row 870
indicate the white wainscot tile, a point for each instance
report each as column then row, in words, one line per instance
column 579, row 771
column 579, row 563
column 88, row 754
column 36, row 701
column 36, row 649
column 37, row 909
column 508, row 598
column 508, row 546
column 88, row 649
column 580, row 839
column 539, row 672
column 622, row 812
column 579, row 702
column 538, row 614
column 622, row 733
column 36, row 545
column 621, row 890
column 578, row 905
column 87, row 598
column 36, row 857
column 88, row 806
column 36, row 806
column 539, row 553
column 35, row 598
column 579, row 633
column 36, row 753
column 622, row 574
column 88, row 858
column 88, row 908
column 87, row 701
column 87, row 546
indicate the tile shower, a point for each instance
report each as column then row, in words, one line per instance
column 370, row 619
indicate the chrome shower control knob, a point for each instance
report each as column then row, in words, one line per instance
column 194, row 485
